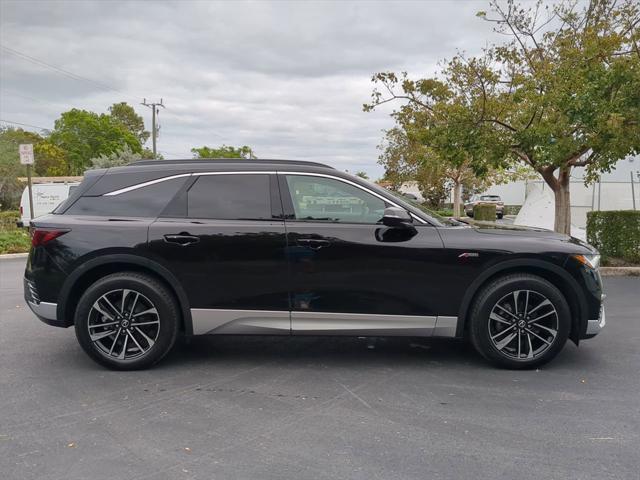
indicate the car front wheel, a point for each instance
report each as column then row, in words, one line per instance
column 127, row 321
column 520, row 321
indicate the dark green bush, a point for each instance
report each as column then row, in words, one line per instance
column 8, row 219
column 445, row 212
column 512, row 209
column 615, row 233
column 484, row 212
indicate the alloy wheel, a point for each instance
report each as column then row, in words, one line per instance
column 123, row 324
column 523, row 325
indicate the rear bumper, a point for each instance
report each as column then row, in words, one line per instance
column 45, row 311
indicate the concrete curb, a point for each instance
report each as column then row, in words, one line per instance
column 620, row 271
column 10, row 256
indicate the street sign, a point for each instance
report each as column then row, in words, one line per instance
column 26, row 158
column 26, row 154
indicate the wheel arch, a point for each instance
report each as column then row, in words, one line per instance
column 550, row 272
column 86, row 274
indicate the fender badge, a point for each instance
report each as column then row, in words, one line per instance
column 468, row 255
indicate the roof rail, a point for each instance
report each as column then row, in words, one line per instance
column 227, row 160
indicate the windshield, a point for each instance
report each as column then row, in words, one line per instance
column 490, row 197
column 422, row 208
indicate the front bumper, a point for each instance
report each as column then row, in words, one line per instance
column 595, row 326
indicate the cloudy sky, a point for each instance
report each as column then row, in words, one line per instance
column 286, row 78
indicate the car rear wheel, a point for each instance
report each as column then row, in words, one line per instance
column 127, row 321
column 520, row 321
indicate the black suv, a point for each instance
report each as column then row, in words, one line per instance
column 141, row 253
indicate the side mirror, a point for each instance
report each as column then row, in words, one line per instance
column 397, row 217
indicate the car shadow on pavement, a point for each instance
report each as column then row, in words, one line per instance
column 325, row 350
column 344, row 351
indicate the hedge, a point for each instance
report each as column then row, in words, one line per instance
column 615, row 233
column 8, row 219
column 484, row 212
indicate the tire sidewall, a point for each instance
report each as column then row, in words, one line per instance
column 155, row 292
column 495, row 292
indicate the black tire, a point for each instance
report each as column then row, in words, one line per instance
column 499, row 215
column 470, row 214
column 161, row 323
column 519, row 352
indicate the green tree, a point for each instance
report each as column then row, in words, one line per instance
column 115, row 159
column 408, row 159
column 50, row 160
column 225, row 151
column 362, row 174
column 85, row 135
column 562, row 92
column 125, row 114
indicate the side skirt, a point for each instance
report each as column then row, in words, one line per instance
column 265, row 322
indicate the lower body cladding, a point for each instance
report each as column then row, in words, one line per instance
column 252, row 322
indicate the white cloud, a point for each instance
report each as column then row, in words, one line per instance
column 287, row 78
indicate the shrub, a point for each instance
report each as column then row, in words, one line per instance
column 512, row 209
column 445, row 212
column 8, row 219
column 615, row 233
column 484, row 212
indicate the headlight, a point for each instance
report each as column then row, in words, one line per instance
column 591, row 261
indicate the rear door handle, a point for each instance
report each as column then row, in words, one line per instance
column 313, row 243
column 182, row 239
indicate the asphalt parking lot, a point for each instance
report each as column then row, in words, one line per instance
column 317, row 408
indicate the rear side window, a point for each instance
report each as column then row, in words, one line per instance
column 146, row 201
column 230, row 197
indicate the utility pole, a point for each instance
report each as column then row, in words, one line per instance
column 154, row 111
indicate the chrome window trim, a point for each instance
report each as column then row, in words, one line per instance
column 263, row 172
column 144, row 184
column 354, row 184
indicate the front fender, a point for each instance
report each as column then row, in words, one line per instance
column 550, row 271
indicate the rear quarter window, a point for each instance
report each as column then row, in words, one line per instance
column 146, row 201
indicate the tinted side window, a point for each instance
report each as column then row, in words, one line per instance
column 329, row 200
column 142, row 202
column 230, row 197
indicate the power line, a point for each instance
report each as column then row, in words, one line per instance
column 62, row 71
column 24, row 124
column 26, row 97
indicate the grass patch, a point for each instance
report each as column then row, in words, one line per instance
column 14, row 241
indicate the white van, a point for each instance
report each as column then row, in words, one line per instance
column 46, row 197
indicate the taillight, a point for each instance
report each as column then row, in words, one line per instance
column 42, row 236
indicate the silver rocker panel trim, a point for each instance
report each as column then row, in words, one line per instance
column 240, row 322
column 321, row 323
column 267, row 322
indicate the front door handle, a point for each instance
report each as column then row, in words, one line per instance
column 313, row 243
column 182, row 239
